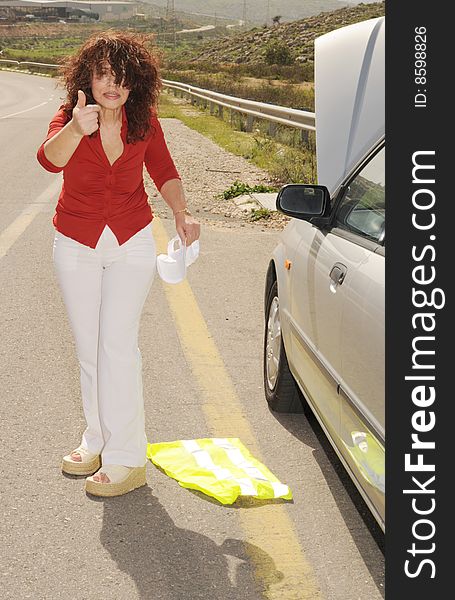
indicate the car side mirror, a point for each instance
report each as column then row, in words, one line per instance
column 306, row 202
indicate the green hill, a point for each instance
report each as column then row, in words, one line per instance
column 297, row 36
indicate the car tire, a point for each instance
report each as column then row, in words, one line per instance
column 281, row 390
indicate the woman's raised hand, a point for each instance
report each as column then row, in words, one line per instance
column 85, row 118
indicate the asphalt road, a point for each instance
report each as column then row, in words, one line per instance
column 160, row 542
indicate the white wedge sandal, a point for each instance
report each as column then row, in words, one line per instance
column 88, row 464
column 121, row 480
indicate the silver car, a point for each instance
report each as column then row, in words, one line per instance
column 324, row 292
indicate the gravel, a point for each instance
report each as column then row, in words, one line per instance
column 206, row 171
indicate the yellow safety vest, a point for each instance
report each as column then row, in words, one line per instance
column 222, row 468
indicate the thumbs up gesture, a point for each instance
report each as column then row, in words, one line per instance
column 85, row 117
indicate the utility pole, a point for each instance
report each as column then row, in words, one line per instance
column 268, row 13
column 170, row 14
column 244, row 12
column 169, row 8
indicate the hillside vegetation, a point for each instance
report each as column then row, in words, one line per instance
column 274, row 65
column 256, row 10
column 297, row 36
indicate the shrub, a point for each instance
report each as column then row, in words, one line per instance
column 278, row 53
column 238, row 188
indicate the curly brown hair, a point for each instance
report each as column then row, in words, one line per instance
column 134, row 65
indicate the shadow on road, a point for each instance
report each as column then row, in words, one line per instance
column 169, row 562
column 305, row 427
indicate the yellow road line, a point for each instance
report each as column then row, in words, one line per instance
column 278, row 559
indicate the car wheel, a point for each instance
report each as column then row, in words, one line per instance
column 281, row 390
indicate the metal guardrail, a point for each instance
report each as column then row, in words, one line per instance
column 24, row 62
column 291, row 117
column 274, row 114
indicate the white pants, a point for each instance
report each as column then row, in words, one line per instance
column 104, row 290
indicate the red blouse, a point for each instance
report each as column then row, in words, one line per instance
column 95, row 193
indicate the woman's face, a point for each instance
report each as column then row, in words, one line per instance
column 105, row 91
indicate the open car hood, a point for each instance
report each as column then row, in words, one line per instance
column 349, row 97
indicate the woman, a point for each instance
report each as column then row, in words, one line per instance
column 104, row 250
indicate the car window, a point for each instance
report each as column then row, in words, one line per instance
column 362, row 208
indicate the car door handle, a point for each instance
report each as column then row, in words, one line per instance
column 337, row 275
